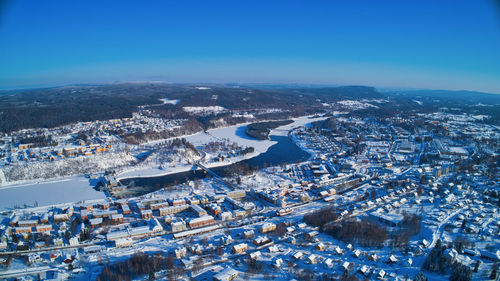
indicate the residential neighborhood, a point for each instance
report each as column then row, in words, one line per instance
column 377, row 201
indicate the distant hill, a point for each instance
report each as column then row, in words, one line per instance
column 469, row 96
column 52, row 107
column 354, row 92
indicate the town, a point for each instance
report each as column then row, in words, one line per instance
column 407, row 197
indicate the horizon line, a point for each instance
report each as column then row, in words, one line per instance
column 300, row 84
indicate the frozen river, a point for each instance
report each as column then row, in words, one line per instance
column 70, row 189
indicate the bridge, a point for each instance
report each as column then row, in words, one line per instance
column 214, row 175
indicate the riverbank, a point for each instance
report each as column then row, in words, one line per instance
column 235, row 134
column 282, row 150
column 77, row 188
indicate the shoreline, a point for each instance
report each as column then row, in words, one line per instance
column 264, row 147
column 76, row 188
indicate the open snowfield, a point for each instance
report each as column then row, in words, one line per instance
column 169, row 101
column 204, row 109
column 356, row 105
column 69, row 189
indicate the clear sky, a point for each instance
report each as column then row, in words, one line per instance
column 436, row 44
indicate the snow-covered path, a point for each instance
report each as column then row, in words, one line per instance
column 439, row 231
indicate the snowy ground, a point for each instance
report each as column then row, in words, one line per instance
column 356, row 105
column 169, row 101
column 204, row 109
column 77, row 188
column 234, row 134
column 69, row 189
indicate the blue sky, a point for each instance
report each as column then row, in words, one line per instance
column 436, row 44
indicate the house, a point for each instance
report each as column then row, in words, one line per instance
column 192, row 201
column 278, row 263
column 94, row 223
column 58, row 242
column 54, row 256
column 140, row 206
column 255, row 255
column 123, row 242
column 227, row 274
column 345, row 265
column 201, row 221
column 297, row 255
column 381, row 274
column 338, row 251
column 177, row 202
column 172, row 210
column 312, row 258
column 146, row 214
column 44, row 228
column 196, row 250
column 20, row 230
column 125, row 209
column 273, row 249
column 267, row 227
column 74, row 241
column 356, row 253
column 311, row 235
column 261, row 240
column 140, row 231
column 214, row 209
column 158, row 206
column 84, row 215
column 178, row 226
column 320, row 247
column 180, row 252
column 117, row 235
column 103, row 205
column 236, row 194
column 249, row 234
column 225, row 216
column 45, row 218
column 328, row 263
column 392, row 259
column 226, row 240
column 365, row 270
column 117, row 218
column 92, row 249
column 61, row 217
column 240, row 248
column 425, row 243
column 27, row 223
column 198, row 211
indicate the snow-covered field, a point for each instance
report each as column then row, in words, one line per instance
column 69, row 189
column 356, row 105
column 204, row 109
column 169, row 101
column 60, row 168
